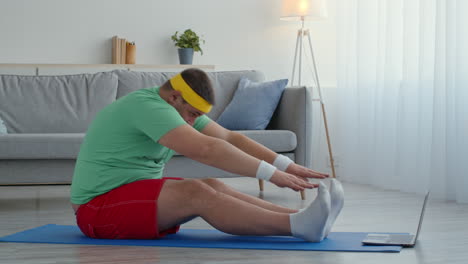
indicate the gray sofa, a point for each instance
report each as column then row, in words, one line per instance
column 47, row 117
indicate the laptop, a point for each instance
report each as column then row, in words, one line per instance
column 405, row 240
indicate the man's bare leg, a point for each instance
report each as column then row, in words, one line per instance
column 182, row 200
column 185, row 199
column 221, row 187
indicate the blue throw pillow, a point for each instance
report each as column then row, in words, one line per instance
column 253, row 105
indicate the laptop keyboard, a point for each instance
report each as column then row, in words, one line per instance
column 401, row 239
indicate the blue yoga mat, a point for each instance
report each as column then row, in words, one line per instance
column 201, row 238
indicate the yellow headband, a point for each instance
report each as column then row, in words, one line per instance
column 179, row 84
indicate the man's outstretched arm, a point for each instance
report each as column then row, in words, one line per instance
column 257, row 150
column 221, row 154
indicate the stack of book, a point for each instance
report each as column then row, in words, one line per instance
column 123, row 52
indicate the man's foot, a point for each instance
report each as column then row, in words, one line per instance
column 337, row 201
column 310, row 223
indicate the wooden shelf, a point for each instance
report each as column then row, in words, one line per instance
column 41, row 69
column 130, row 66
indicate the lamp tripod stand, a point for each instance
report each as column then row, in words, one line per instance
column 299, row 43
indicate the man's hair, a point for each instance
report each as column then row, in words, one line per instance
column 199, row 81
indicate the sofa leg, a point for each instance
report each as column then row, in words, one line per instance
column 303, row 197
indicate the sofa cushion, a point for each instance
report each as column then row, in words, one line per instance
column 67, row 145
column 276, row 140
column 253, row 105
column 225, row 84
column 54, row 104
column 40, row 146
column 130, row 81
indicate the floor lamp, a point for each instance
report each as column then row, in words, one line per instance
column 301, row 10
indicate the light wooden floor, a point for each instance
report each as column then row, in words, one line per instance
column 444, row 237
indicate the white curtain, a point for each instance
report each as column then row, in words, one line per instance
column 403, row 95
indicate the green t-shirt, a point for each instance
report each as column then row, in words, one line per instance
column 121, row 145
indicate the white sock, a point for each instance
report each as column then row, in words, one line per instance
column 309, row 224
column 337, row 201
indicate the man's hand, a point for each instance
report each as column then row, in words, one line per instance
column 304, row 173
column 283, row 179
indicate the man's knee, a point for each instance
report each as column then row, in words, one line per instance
column 182, row 200
column 196, row 189
column 215, row 184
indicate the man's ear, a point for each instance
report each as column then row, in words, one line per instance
column 173, row 96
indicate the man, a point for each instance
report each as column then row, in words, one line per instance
column 118, row 189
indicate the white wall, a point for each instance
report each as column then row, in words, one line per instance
column 239, row 34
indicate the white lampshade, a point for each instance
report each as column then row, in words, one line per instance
column 304, row 10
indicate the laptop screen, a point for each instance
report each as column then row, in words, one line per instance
column 422, row 216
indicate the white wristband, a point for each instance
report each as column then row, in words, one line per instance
column 265, row 171
column 282, row 162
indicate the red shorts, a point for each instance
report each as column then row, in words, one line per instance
column 126, row 212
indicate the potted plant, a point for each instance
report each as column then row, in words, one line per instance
column 188, row 43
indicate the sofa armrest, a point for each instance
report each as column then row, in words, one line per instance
column 294, row 113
